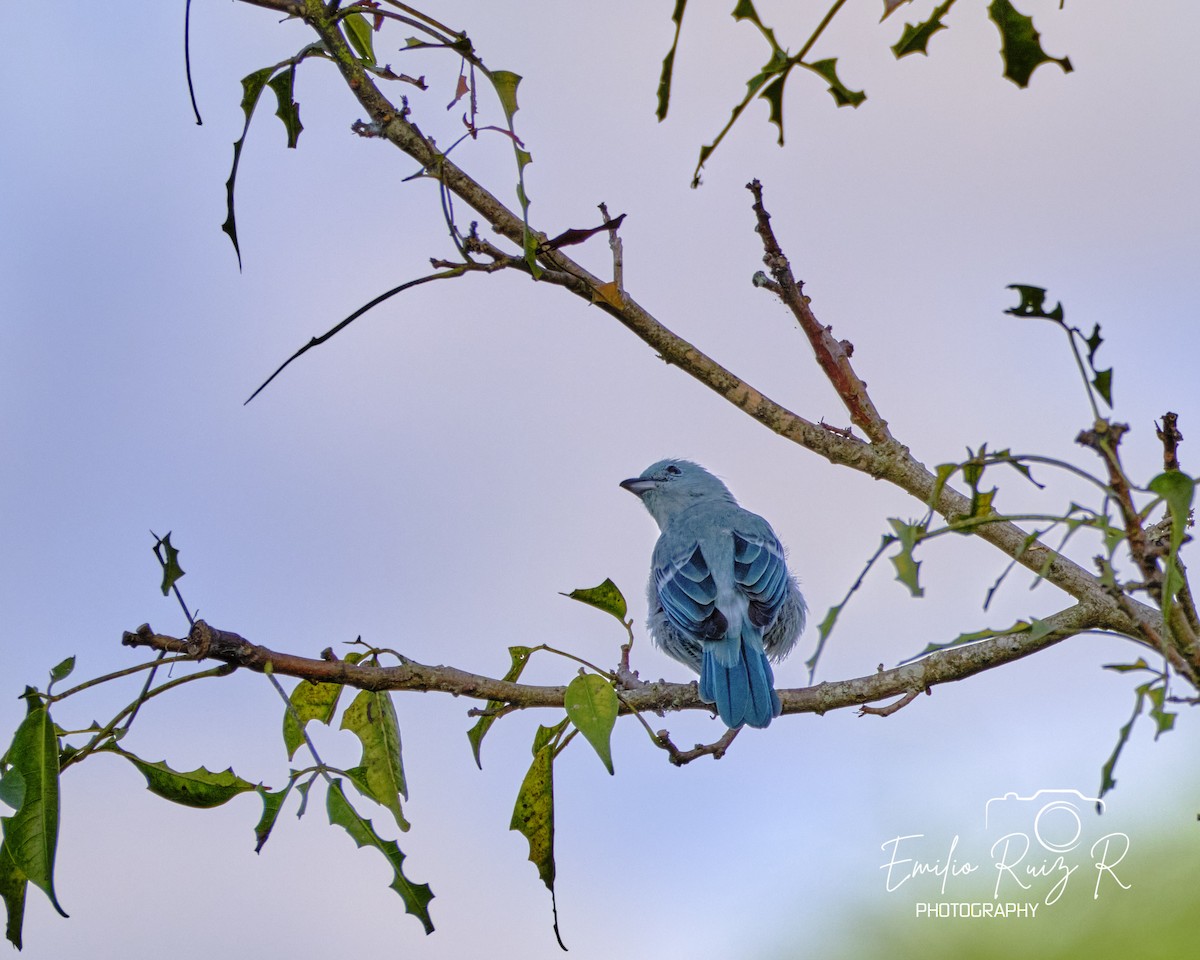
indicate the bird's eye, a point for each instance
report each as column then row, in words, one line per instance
column 674, row 470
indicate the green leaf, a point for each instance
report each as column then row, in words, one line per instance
column 288, row 110
column 1020, row 44
column 547, row 735
column 310, row 701
column 303, row 789
column 1164, row 720
column 533, row 817
column 252, row 87
column 907, row 567
column 592, row 705
column 843, row 95
column 605, row 597
column 915, row 39
column 1093, row 344
column 199, row 788
column 505, row 83
column 272, row 804
column 13, row 884
column 372, row 718
column 31, row 833
column 1107, row 780
column 1178, row 490
column 745, row 11
column 1139, row 664
column 668, row 65
column 416, row 896
column 520, row 657
column 963, row 639
column 62, row 670
column 358, row 32
column 533, row 814
column 824, row 629
column 12, row 788
column 1033, row 304
column 773, row 94
column 1103, row 384
column 172, row 571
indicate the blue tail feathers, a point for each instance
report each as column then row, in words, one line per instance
column 744, row 691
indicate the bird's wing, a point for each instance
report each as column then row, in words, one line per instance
column 760, row 571
column 688, row 594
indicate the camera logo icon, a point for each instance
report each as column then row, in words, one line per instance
column 1052, row 817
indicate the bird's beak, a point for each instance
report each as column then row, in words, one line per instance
column 639, row 485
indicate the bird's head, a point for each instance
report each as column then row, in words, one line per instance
column 670, row 486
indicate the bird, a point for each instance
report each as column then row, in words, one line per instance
column 721, row 598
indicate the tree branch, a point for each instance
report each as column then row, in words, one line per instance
column 943, row 666
column 883, row 457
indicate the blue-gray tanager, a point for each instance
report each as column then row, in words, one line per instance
column 721, row 598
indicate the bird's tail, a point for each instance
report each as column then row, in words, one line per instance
column 742, row 689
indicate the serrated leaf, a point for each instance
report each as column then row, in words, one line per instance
column 13, row 884
column 172, row 571
column 606, row 597
column 1093, row 344
column 915, row 39
column 371, row 717
column 824, row 629
column 908, row 569
column 668, row 65
column 416, row 896
column 1103, row 384
column 592, row 705
column 1107, row 780
column 272, row 804
column 252, row 88
column 773, row 94
column 533, row 814
column 310, row 701
column 200, row 788
column 461, row 90
column 358, row 32
column 1020, row 44
column 303, row 789
column 843, row 95
column 1033, row 304
column 745, row 11
column 31, row 833
column 288, row 110
column 520, row 657
column 505, row 83
column 1164, row 720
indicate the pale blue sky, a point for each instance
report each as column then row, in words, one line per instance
column 433, row 477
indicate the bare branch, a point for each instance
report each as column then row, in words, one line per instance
column 832, row 355
column 892, row 707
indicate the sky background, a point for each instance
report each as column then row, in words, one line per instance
column 433, row 477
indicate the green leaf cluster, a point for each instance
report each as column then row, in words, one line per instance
column 1020, row 51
